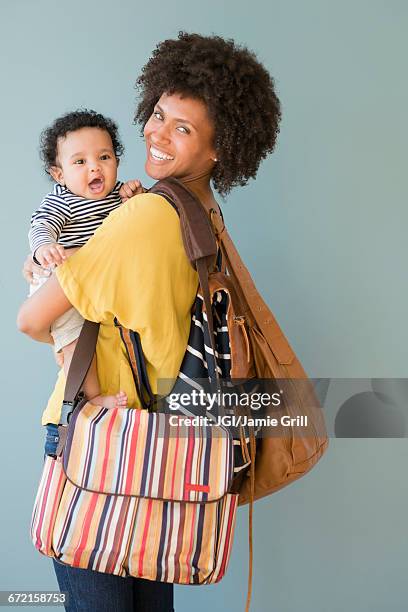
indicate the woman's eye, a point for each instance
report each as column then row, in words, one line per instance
column 79, row 162
column 158, row 115
column 183, row 129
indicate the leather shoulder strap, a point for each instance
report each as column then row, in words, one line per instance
column 196, row 229
column 80, row 364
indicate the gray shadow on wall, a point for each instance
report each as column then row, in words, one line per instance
column 379, row 413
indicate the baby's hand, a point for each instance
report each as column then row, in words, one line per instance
column 32, row 270
column 50, row 254
column 130, row 189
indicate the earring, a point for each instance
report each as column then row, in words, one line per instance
column 214, row 159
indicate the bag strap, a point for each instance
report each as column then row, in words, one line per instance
column 132, row 342
column 198, row 238
column 80, row 364
column 250, row 296
column 196, row 230
column 203, row 278
column 252, row 449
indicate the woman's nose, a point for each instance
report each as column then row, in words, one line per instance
column 160, row 135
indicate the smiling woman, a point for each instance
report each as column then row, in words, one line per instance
column 233, row 92
column 179, row 139
column 209, row 114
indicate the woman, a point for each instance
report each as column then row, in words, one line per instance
column 209, row 112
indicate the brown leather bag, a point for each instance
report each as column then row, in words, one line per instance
column 259, row 349
column 273, row 357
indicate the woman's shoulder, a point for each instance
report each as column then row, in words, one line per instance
column 143, row 216
column 146, row 206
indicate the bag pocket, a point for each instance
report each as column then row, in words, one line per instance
column 167, row 541
column 46, row 505
column 181, row 542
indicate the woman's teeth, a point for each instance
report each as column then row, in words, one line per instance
column 156, row 154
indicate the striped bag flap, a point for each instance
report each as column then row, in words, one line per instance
column 146, row 454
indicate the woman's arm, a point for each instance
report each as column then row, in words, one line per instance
column 40, row 310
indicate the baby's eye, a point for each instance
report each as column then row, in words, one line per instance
column 105, row 156
column 79, row 162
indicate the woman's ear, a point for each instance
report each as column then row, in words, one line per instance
column 57, row 174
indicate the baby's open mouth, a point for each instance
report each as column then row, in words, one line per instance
column 96, row 186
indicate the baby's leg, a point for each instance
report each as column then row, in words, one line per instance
column 91, row 386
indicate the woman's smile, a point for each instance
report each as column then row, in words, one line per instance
column 158, row 155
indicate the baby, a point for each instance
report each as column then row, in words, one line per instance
column 81, row 152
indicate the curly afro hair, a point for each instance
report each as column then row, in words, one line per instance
column 71, row 122
column 238, row 91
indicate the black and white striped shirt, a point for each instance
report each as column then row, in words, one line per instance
column 69, row 219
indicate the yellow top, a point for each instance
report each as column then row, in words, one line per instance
column 134, row 268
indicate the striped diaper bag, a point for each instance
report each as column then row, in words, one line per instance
column 136, row 492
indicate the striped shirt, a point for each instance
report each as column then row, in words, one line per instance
column 69, row 219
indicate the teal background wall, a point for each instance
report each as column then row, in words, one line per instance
column 323, row 230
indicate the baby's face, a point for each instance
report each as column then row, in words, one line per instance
column 87, row 165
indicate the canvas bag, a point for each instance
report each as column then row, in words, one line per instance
column 129, row 495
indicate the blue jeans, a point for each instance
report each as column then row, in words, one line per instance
column 51, row 439
column 90, row 591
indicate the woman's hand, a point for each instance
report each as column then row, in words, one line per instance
column 30, row 268
column 130, row 189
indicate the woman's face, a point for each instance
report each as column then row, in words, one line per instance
column 179, row 139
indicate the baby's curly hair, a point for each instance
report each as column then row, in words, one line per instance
column 71, row 122
column 238, row 91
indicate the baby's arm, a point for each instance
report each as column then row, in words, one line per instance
column 47, row 223
column 47, row 254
